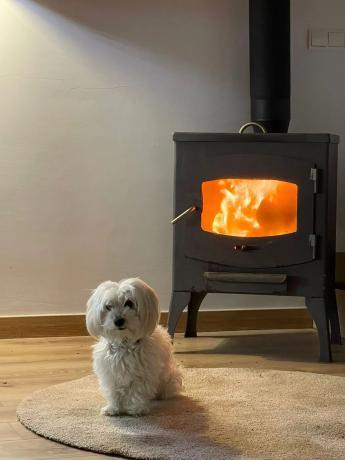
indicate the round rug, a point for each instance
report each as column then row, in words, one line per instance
column 223, row 414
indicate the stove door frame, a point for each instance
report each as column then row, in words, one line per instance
column 262, row 252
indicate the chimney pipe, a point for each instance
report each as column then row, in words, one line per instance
column 269, row 39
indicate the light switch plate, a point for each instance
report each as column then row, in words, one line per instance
column 318, row 38
column 326, row 38
column 336, row 39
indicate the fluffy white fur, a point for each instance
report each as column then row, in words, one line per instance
column 133, row 359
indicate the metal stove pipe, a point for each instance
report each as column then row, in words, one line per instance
column 269, row 38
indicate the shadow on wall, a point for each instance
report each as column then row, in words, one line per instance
column 203, row 35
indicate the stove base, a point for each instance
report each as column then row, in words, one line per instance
column 322, row 309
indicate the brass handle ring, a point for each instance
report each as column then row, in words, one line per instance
column 252, row 123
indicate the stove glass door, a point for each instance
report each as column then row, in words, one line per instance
column 249, row 207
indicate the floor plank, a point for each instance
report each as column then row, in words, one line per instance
column 27, row 365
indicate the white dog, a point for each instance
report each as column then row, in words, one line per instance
column 133, row 359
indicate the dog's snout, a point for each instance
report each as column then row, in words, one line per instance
column 119, row 322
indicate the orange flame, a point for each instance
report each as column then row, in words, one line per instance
column 249, row 207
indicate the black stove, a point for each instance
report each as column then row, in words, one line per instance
column 257, row 217
column 256, row 213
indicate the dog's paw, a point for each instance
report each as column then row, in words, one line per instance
column 138, row 411
column 110, row 410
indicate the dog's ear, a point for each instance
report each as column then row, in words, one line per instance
column 148, row 304
column 94, row 308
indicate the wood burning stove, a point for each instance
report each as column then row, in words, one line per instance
column 258, row 217
column 256, row 212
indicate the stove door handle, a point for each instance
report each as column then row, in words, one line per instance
column 244, row 247
column 183, row 214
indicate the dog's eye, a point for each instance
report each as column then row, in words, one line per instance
column 108, row 307
column 129, row 304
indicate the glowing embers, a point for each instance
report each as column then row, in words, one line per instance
column 249, row 207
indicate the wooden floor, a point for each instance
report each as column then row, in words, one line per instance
column 29, row 364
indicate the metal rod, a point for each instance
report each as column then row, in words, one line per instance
column 184, row 213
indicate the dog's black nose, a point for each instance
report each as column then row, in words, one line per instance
column 119, row 322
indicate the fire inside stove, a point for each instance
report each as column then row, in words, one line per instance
column 249, row 207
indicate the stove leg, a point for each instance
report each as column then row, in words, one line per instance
column 333, row 317
column 318, row 309
column 192, row 315
column 179, row 301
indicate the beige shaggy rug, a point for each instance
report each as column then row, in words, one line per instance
column 224, row 414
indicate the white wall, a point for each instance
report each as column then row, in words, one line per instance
column 90, row 94
column 318, row 83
